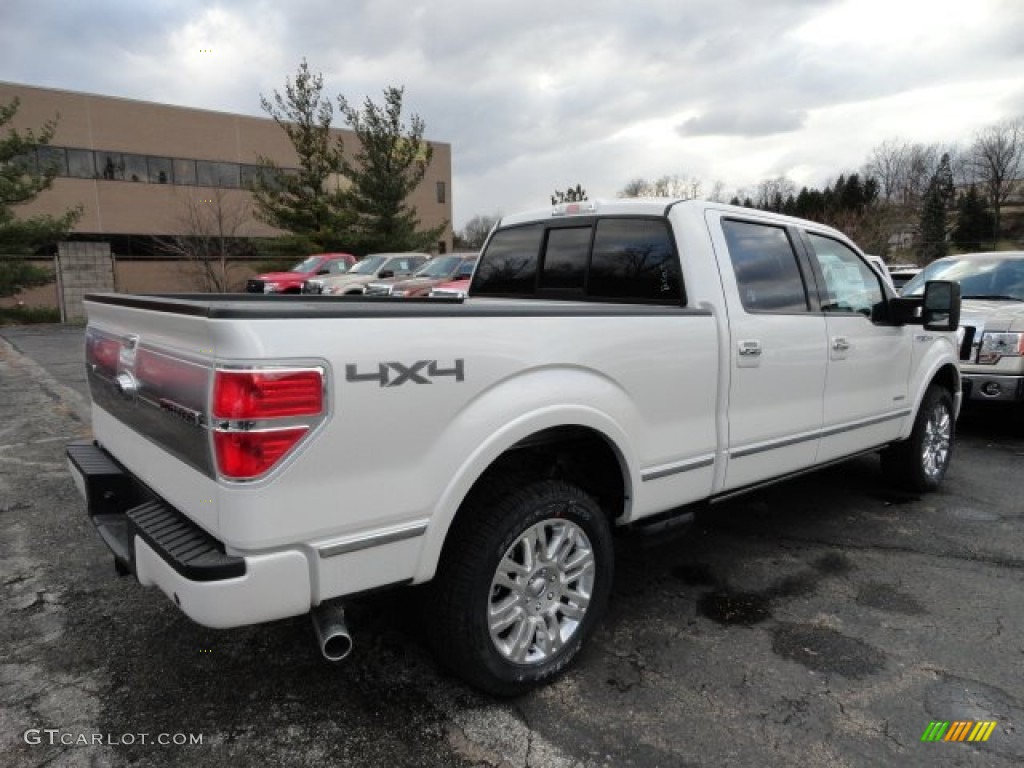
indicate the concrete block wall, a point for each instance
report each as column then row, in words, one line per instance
column 82, row 268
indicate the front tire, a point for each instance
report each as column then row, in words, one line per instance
column 920, row 462
column 523, row 581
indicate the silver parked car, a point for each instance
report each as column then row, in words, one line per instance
column 376, row 266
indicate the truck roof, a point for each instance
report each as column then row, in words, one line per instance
column 647, row 206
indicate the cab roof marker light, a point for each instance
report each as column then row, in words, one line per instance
column 573, row 209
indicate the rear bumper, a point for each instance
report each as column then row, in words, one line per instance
column 164, row 548
column 993, row 388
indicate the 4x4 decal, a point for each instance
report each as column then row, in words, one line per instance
column 397, row 374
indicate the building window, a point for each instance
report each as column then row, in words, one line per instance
column 109, row 166
column 81, row 164
column 250, row 175
column 160, row 170
column 135, row 168
column 440, row 192
column 211, row 174
column 53, row 158
column 185, row 172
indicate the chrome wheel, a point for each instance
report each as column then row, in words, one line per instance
column 938, row 433
column 540, row 591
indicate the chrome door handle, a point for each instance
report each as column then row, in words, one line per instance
column 750, row 349
column 839, row 344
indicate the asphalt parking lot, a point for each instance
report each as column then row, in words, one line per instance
column 826, row 621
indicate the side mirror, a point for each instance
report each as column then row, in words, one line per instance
column 940, row 309
column 323, row 271
column 387, row 273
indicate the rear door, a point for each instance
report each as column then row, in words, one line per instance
column 777, row 349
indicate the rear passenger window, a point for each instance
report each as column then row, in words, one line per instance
column 765, row 264
column 510, row 265
column 565, row 260
column 634, row 259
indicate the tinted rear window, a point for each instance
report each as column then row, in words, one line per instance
column 510, row 264
column 565, row 260
column 635, row 259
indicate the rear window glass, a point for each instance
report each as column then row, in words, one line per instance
column 565, row 260
column 635, row 259
column 510, row 264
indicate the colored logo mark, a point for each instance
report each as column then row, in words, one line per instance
column 958, row 730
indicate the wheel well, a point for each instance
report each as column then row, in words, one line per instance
column 948, row 378
column 578, row 455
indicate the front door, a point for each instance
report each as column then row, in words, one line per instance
column 869, row 361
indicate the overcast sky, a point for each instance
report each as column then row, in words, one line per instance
column 537, row 96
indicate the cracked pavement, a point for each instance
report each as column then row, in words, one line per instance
column 822, row 622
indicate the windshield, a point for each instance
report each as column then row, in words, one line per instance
column 442, row 266
column 368, row 266
column 986, row 278
column 306, row 265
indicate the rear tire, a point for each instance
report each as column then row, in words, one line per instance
column 523, row 581
column 919, row 463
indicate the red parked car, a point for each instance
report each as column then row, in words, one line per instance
column 292, row 280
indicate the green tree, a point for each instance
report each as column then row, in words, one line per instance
column 390, row 162
column 975, row 223
column 575, row 194
column 21, row 181
column 937, row 197
column 310, row 205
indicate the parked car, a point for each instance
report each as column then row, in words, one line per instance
column 373, row 267
column 438, row 270
column 457, row 288
column 453, row 289
column 901, row 274
column 991, row 323
column 291, row 281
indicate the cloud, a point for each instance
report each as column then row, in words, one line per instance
column 735, row 122
column 535, row 95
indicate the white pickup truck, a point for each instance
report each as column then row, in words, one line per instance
column 259, row 457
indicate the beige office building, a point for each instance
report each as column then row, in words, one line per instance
column 133, row 167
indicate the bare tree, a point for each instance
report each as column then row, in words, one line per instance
column 922, row 160
column 476, row 230
column 995, row 161
column 212, row 224
column 888, row 163
column 684, row 187
column 771, row 194
column 717, row 193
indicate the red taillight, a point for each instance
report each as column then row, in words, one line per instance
column 103, row 352
column 267, row 394
column 245, row 407
column 244, row 455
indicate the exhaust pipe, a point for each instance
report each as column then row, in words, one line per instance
column 332, row 631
